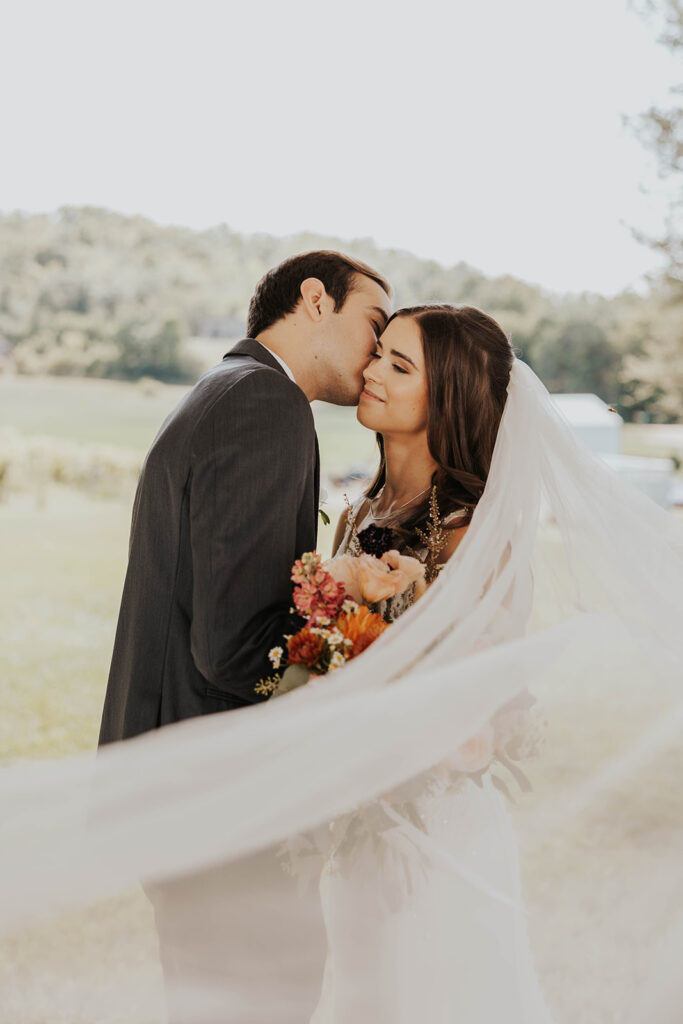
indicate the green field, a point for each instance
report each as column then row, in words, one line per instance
column 64, row 549
column 63, row 555
column 129, row 415
column 63, row 552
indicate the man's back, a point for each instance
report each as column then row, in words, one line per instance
column 227, row 500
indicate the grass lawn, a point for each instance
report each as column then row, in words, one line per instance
column 63, row 564
column 64, row 553
column 63, row 556
column 129, row 415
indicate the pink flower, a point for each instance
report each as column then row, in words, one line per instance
column 328, row 588
column 344, row 569
column 411, row 571
column 305, row 597
column 476, row 753
column 367, row 578
column 376, row 580
column 306, row 567
column 316, row 594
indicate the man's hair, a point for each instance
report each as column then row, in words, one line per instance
column 279, row 291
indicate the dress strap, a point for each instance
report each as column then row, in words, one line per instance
column 458, row 514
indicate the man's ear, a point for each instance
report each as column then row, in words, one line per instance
column 315, row 299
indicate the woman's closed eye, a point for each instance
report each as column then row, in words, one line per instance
column 377, row 354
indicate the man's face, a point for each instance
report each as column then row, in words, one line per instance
column 352, row 337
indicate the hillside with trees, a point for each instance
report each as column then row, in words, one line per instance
column 89, row 292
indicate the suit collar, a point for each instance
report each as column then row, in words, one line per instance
column 253, row 348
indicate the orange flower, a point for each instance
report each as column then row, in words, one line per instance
column 304, row 648
column 361, row 628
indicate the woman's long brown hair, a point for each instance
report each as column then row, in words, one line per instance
column 468, row 359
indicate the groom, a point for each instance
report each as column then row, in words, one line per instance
column 228, row 498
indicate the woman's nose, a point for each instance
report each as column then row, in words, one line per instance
column 370, row 371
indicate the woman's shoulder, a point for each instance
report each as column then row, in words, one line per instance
column 455, row 537
column 343, row 522
column 452, row 517
column 455, row 533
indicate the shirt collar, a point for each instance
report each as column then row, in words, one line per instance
column 280, row 360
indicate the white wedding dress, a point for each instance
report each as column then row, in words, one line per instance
column 433, row 875
column 450, row 944
column 413, row 881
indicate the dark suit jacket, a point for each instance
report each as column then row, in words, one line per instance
column 227, row 500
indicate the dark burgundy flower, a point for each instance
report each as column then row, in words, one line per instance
column 375, row 540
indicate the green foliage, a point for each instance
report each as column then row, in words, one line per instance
column 581, row 358
column 660, row 128
column 652, row 369
column 90, row 293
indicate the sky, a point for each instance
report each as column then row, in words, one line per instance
column 488, row 131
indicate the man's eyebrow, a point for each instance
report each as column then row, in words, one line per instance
column 382, row 313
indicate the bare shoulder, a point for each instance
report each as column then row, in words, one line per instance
column 342, row 523
column 456, row 536
column 340, row 531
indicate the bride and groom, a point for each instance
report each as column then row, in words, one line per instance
column 228, row 498
column 227, row 501
column 379, row 788
column 228, row 495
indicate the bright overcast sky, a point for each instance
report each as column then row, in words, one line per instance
column 481, row 130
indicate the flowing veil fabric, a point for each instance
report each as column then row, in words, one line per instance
column 315, row 845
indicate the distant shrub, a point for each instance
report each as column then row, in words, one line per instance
column 33, row 463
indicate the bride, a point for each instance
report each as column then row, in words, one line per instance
column 391, row 790
column 434, row 393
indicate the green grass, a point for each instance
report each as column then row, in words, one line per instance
column 64, row 553
column 129, row 415
column 86, row 411
column 63, row 556
column 661, row 440
column 63, row 565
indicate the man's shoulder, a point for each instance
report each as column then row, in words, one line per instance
column 243, row 380
column 242, row 395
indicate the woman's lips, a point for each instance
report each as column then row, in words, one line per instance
column 368, row 394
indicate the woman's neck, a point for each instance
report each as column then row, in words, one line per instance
column 409, row 468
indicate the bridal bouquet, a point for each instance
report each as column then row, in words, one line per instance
column 336, row 599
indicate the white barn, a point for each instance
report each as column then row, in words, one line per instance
column 591, row 419
column 600, row 430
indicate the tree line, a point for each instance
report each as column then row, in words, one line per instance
column 89, row 292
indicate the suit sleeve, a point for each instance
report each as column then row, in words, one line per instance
column 251, row 487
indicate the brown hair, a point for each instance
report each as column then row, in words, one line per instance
column 279, row 291
column 468, row 359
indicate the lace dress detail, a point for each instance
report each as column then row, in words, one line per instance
column 393, row 607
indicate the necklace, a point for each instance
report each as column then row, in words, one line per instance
column 391, row 511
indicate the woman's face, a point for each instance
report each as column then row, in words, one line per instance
column 394, row 399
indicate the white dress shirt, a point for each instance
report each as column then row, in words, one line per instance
column 280, row 360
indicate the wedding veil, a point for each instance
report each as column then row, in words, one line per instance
column 568, row 586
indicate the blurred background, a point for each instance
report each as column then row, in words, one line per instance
column 158, row 158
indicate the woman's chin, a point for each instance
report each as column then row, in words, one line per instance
column 364, row 415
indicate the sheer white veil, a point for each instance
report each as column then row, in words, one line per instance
column 568, row 585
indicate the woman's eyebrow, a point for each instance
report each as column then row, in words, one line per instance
column 401, row 356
